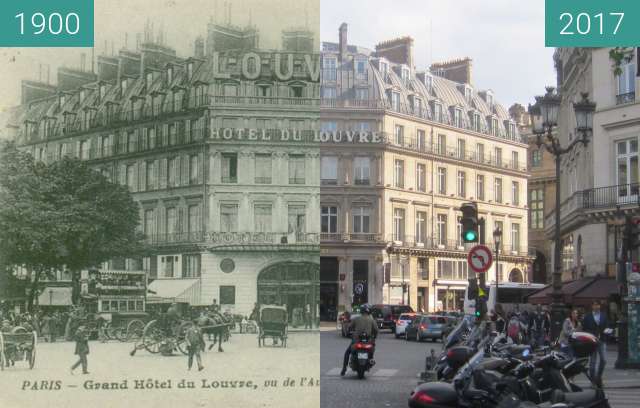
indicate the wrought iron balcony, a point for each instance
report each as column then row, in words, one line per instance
column 625, row 98
column 232, row 238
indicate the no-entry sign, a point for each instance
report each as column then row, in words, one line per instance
column 480, row 258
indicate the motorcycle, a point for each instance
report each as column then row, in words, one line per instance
column 490, row 380
column 361, row 359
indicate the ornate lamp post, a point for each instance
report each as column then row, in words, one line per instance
column 544, row 116
column 497, row 239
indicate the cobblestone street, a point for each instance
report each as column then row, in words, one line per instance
column 247, row 372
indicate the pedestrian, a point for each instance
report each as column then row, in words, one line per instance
column 82, row 349
column 500, row 322
column 569, row 325
column 195, row 345
column 596, row 323
column 307, row 316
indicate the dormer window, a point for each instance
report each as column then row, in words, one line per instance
column 149, row 79
column 395, row 101
column 417, row 105
column 489, row 99
column 437, row 111
column 476, row 121
column 405, row 74
column 123, row 85
column 511, row 129
column 468, row 92
column 428, row 82
column 82, row 95
column 361, row 68
column 384, row 67
column 190, row 70
column 103, row 91
column 61, row 100
column 457, row 117
column 493, row 122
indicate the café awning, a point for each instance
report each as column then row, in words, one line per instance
column 174, row 290
column 578, row 292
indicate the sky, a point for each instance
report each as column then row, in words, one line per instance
column 183, row 21
column 505, row 38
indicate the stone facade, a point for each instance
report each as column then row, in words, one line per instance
column 218, row 151
column 407, row 148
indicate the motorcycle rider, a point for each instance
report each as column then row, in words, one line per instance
column 361, row 324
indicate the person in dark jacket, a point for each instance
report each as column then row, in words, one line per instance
column 82, row 349
column 361, row 324
column 596, row 323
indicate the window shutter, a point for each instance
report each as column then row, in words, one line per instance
column 187, row 131
column 162, row 213
column 165, row 134
column 122, row 176
column 142, row 175
column 154, row 175
column 185, row 170
column 144, row 144
column 200, row 164
column 163, row 174
column 180, row 221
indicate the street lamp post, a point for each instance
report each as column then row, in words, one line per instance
column 544, row 116
column 497, row 238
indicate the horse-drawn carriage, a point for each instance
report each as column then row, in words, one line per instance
column 126, row 326
column 167, row 334
column 18, row 345
column 273, row 323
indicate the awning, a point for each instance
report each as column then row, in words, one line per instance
column 578, row 292
column 55, row 296
column 600, row 290
column 174, row 290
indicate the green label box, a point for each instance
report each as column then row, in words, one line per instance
column 46, row 23
column 592, row 23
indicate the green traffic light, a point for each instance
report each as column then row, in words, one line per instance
column 470, row 236
column 477, row 313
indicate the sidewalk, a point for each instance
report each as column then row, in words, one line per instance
column 614, row 378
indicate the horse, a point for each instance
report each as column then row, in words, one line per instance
column 214, row 324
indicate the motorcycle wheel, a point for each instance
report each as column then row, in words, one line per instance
column 360, row 373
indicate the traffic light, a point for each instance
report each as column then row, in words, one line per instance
column 469, row 222
column 631, row 233
column 481, row 307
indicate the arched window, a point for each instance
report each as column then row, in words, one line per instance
column 516, row 276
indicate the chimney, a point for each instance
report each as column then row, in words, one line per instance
column 342, row 38
column 398, row 50
column 458, row 70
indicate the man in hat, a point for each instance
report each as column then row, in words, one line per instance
column 195, row 344
column 82, row 349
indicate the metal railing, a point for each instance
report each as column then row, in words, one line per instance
column 421, row 111
column 415, row 144
column 625, row 98
column 598, row 198
column 226, row 238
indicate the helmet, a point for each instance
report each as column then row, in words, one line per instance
column 365, row 309
column 583, row 344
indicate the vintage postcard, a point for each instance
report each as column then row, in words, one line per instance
column 160, row 194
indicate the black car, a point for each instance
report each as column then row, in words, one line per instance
column 386, row 315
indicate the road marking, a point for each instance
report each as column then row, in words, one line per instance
column 384, row 372
column 333, row 371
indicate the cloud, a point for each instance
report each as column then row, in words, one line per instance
column 505, row 38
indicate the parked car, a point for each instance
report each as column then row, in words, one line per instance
column 386, row 315
column 426, row 327
column 450, row 324
column 345, row 322
column 403, row 322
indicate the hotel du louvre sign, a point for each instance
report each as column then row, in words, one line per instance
column 284, row 66
column 295, row 136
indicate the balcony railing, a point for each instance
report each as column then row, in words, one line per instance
column 228, row 238
column 599, row 198
column 415, row 144
column 625, row 98
column 262, row 100
column 420, row 111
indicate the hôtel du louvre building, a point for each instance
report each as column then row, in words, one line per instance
column 409, row 147
column 217, row 150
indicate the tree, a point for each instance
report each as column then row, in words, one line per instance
column 62, row 215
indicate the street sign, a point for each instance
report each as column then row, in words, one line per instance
column 479, row 258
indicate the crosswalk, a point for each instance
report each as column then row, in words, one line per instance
column 381, row 373
column 623, row 398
